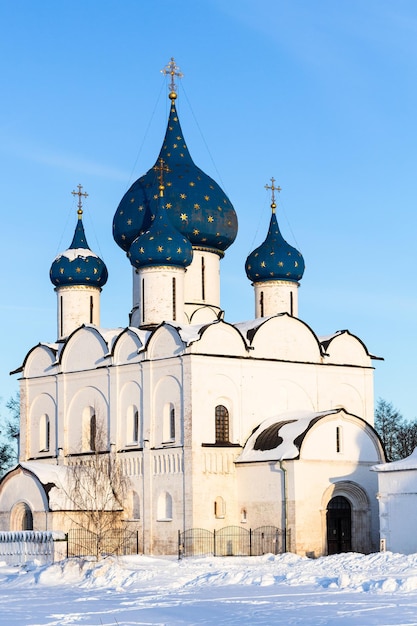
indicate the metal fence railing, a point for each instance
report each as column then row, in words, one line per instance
column 82, row 542
column 232, row 541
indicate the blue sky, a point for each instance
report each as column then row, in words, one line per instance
column 321, row 95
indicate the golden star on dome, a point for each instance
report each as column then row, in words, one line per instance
column 196, row 231
column 155, row 197
column 169, row 184
column 196, row 206
column 210, row 218
column 121, row 212
column 141, row 250
column 207, row 198
column 168, row 205
column 179, row 250
column 78, row 270
column 132, row 199
column 61, row 270
column 183, row 196
column 175, row 145
column 191, row 183
column 263, row 264
column 129, row 222
column 280, row 264
column 140, row 207
column 179, row 138
column 160, row 248
column 295, row 263
column 184, row 217
column 95, row 270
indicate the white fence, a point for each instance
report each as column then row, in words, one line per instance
column 17, row 547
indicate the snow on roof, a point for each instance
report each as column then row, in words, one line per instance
column 189, row 334
column 245, row 327
column 275, row 438
column 410, row 463
column 75, row 253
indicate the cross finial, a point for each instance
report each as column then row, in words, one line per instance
column 80, row 194
column 273, row 189
column 173, row 70
column 161, row 168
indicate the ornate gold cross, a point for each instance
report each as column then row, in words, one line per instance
column 80, row 194
column 161, row 168
column 273, row 189
column 173, row 70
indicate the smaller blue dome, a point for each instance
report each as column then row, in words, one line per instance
column 78, row 265
column 162, row 244
column 274, row 259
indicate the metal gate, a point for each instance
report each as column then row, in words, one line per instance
column 231, row 541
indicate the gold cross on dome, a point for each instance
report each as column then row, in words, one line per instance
column 173, row 70
column 80, row 194
column 161, row 168
column 273, row 189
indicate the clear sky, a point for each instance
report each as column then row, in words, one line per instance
column 321, row 95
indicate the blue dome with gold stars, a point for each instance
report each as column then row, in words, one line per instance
column 194, row 202
column 274, row 259
column 162, row 244
column 78, row 265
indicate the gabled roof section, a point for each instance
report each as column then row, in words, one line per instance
column 344, row 348
column 41, row 358
column 280, row 438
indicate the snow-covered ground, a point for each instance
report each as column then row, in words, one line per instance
column 348, row 589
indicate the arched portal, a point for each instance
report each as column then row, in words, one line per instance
column 21, row 517
column 339, row 525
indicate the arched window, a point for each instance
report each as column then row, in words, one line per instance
column 44, row 433
column 164, row 511
column 132, row 425
column 168, row 433
column 219, row 508
column 93, row 432
column 90, row 434
column 222, row 424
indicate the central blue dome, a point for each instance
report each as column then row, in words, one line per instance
column 195, row 204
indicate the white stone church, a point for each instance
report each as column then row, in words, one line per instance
column 215, row 423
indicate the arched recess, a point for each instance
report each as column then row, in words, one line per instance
column 360, row 509
column 164, row 507
column 130, row 427
column 80, row 425
column 21, row 517
column 167, row 411
column 219, row 508
column 41, row 434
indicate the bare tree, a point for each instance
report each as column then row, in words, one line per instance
column 96, row 492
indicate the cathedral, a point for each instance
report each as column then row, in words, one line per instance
column 214, row 423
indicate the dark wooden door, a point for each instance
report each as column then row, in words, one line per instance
column 339, row 525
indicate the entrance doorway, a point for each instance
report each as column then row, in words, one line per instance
column 21, row 517
column 339, row 525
